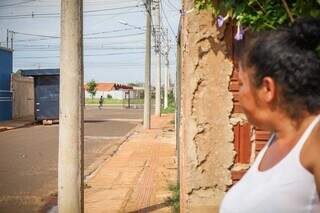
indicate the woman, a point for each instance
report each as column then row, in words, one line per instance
column 280, row 91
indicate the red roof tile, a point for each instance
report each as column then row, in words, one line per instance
column 110, row 86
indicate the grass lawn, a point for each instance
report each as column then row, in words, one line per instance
column 170, row 109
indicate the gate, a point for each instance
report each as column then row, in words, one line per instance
column 47, row 97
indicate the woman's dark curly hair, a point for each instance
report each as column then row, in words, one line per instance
column 289, row 57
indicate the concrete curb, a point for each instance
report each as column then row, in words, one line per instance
column 7, row 128
column 94, row 168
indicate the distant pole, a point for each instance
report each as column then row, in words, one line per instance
column 129, row 99
column 7, row 38
column 158, row 52
column 178, row 100
column 147, row 70
column 70, row 167
column 12, row 33
column 166, row 72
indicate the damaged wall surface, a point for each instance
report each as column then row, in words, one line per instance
column 206, row 147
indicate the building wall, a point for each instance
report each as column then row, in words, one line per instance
column 23, row 96
column 206, row 147
column 116, row 94
column 5, row 68
column 5, row 76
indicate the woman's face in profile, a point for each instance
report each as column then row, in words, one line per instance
column 248, row 96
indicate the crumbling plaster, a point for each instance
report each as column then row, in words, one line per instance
column 206, row 107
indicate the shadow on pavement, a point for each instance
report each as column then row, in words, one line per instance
column 152, row 208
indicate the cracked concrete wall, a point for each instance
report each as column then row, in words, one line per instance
column 207, row 151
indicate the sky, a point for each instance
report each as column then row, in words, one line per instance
column 114, row 37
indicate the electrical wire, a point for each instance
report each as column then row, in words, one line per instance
column 89, row 55
column 170, row 27
column 173, row 6
column 85, row 38
column 84, row 12
column 117, row 36
column 86, row 34
column 85, row 49
column 15, row 4
column 56, row 15
column 85, row 46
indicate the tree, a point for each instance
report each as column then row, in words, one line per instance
column 259, row 15
column 136, row 84
column 92, row 88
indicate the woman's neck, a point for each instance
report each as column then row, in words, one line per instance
column 288, row 130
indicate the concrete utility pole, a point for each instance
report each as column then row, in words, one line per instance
column 158, row 52
column 166, row 72
column 147, row 104
column 70, row 168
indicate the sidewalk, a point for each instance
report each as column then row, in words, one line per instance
column 137, row 177
column 14, row 124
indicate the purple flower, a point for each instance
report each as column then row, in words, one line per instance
column 240, row 33
column 220, row 21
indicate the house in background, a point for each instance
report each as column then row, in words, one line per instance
column 5, row 84
column 114, row 90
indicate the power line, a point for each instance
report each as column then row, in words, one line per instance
column 18, row 3
column 54, row 36
column 85, row 38
column 55, row 15
column 118, row 36
column 173, row 6
column 84, row 12
column 88, row 49
column 89, row 55
column 29, row 34
column 85, row 46
column 111, row 31
column 170, row 27
column 153, row 31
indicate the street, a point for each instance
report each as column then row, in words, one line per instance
column 29, row 156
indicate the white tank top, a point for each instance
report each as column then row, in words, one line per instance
column 287, row 187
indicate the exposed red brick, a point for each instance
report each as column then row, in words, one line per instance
column 242, row 143
column 260, row 145
column 262, row 138
column 237, row 175
column 234, row 86
column 235, row 75
column 235, row 96
column 236, row 108
column 262, row 135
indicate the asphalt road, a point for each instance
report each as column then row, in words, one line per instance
column 29, row 156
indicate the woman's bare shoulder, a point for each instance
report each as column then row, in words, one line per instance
column 310, row 155
column 315, row 153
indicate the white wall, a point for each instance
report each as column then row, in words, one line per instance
column 116, row 94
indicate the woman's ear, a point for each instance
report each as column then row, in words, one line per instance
column 268, row 89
